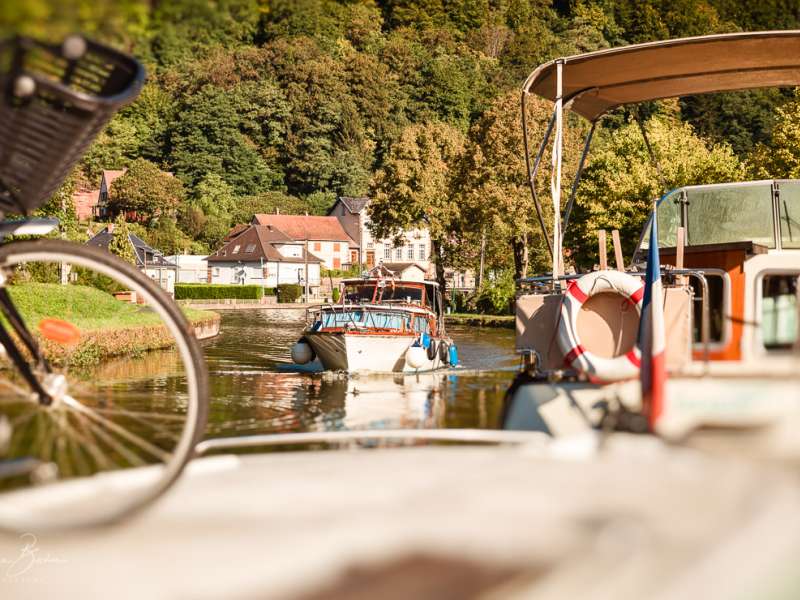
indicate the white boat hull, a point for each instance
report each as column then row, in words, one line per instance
column 354, row 352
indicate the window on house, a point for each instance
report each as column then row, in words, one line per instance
column 317, row 246
column 236, row 249
column 398, row 253
column 336, row 246
column 216, row 271
column 779, row 311
column 387, row 252
column 370, row 245
column 410, row 253
column 421, row 255
column 250, row 248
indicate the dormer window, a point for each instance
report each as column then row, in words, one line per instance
column 250, row 248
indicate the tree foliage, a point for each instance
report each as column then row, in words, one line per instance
column 145, row 192
column 619, row 186
column 281, row 105
column 416, row 187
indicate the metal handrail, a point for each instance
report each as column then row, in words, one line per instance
column 482, row 436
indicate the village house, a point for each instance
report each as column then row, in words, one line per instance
column 149, row 260
column 93, row 203
column 354, row 217
column 191, row 268
column 324, row 237
column 264, row 255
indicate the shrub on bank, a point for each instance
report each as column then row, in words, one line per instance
column 217, row 291
column 289, row 292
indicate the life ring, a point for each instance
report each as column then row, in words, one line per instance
column 432, row 350
column 625, row 366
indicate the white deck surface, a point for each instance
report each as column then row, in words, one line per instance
column 636, row 520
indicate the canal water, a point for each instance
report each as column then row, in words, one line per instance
column 255, row 387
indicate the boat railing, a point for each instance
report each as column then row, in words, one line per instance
column 550, row 284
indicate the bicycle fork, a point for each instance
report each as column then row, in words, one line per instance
column 10, row 312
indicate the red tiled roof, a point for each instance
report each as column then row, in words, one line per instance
column 110, row 175
column 306, row 227
column 263, row 239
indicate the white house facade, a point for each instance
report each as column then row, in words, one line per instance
column 415, row 245
column 263, row 256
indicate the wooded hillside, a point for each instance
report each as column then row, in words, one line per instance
column 257, row 105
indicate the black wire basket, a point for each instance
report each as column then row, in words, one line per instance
column 55, row 100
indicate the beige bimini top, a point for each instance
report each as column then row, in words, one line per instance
column 599, row 81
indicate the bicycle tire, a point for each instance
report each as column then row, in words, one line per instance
column 52, row 251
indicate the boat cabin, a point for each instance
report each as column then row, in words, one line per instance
column 742, row 240
column 381, row 304
column 745, row 239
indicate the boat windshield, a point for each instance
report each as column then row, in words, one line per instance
column 402, row 293
column 716, row 214
column 359, row 292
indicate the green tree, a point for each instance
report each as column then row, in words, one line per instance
column 780, row 158
column 145, row 191
column 497, row 197
column 120, row 243
column 620, row 184
column 416, row 187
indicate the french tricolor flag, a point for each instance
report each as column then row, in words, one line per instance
column 652, row 339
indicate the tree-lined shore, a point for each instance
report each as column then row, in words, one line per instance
column 264, row 105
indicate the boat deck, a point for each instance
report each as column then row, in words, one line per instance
column 561, row 519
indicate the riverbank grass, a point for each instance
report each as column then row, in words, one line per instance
column 478, row 320
column 108, row 327
column 88, row 308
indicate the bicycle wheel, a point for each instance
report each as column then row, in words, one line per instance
column 126, row 389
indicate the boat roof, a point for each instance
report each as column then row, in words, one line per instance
column 385, row 278
column 597, row 82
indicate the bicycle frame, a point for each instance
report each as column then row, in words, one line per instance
column 10, row 312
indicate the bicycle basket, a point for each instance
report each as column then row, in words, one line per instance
column 55, row 100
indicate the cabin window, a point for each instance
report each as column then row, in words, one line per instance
column 358, row 293
column 717, row 215
column 717, row 304
column 789, row 206
column 421, row 325
column 779, row 311
column 402, row 293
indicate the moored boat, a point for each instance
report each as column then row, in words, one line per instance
column 729, row 253
column 382, row 324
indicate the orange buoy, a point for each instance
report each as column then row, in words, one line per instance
column 59, row 331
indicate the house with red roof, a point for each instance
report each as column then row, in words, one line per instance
column 93, row 203
column 264, row 255
column 323, row 237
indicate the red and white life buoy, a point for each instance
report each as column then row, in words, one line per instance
column 621, row 367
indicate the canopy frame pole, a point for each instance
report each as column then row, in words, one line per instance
column 532, row 172
column 555, row 174
column 653, row 159
column 577, row 180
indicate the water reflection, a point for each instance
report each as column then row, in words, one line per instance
column 257, row 389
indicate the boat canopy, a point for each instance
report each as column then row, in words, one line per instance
column 598, row 81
